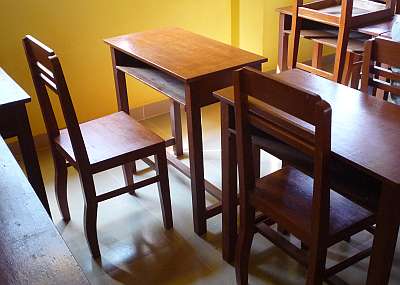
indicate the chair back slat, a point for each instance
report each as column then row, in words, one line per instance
column 46, row 73
column 381, row 57
column 290, row 114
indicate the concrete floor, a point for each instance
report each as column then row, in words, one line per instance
column 137, row 250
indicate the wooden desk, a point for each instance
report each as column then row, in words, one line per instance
column 365, row 136
column 32, row 251
column 14, row 122
column 187, row 68
column 285, row 23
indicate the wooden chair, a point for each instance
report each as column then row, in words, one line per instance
column 340, row 14
column 306, row 207
column 93, row 146
column 381, row 54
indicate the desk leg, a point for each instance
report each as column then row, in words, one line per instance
column 283, row 43
column 29, row 156
column 123, row 105
column 176, row 127
column 388, row 218
column 229, row 185
column 196, row 162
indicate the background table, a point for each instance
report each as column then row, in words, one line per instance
column 187, row 68
column 14, row 122
column 285, row 23
column 365, row 136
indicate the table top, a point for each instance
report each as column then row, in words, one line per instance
column 10, row 92
column 32, row 250
column 182, row 54
column 365, row 130
column 373, row 29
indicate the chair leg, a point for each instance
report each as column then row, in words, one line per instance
column 90, row 214
column 243, row 246
column 316, row 267
column 348, row 68
column 60, row 185
column 128, row 170
column 356, row 73
column 163, row 188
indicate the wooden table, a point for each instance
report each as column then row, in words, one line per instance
column 14, row 122
column 285, row 23
column 365, row 136
column 32, row 251
column 187, row 68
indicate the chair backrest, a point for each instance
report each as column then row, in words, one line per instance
column 288, row 113
column 47, row 74
column 380, row 56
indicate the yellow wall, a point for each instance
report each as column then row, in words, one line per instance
column 75, row 29
column 259, row 30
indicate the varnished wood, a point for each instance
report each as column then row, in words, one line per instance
column 14, row 122
column 348, row 107
column 349, row 133
column 94, row 146
column 385, row 52
column 180, row 54
column 32, row 250
column 303, row 205
column 187, row 68
column 375, row 28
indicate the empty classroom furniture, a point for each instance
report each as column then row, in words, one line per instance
column 381, row 54
column 343, row 15
column 94, row 146
column 14, row 122
column 187, row 68
column 304, row 205
column 373, row 29
column 356, row 118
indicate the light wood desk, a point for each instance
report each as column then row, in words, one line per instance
column 187, row 68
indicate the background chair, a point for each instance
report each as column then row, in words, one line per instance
column 93, row 146
column 342, row 15
column 381, row 54
column 303, row 205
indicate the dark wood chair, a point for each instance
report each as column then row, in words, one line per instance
column 303, row 205
column 342, row 15
column 93, row 146
column 381, row 54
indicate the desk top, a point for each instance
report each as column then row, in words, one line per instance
column 365, row 130
column 32, row 251
column 183, row 54
column 10, row 92
column 373, row 29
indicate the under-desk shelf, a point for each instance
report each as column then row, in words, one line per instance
column 158, row 80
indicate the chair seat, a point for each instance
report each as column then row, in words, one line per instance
column 115, row 139
column 286, row 196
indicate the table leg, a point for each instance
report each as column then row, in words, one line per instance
column 283, row 44
column 123, row 105
column 29, row 156
column 229, row 184
column 196, row 162
column 387, row 226
column 176, row 127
